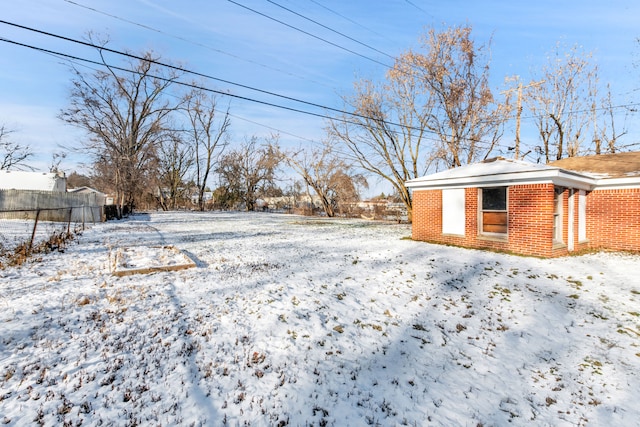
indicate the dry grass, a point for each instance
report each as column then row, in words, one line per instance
column 24, row 251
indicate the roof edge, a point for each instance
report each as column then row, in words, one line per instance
column 556, row 176
column 627, row 183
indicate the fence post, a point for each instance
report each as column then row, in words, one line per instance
column 69, row 220
column 33, row 233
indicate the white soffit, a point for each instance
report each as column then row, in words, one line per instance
column 502, row 172
column 617, row 183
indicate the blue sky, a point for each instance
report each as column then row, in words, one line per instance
column 225, row 40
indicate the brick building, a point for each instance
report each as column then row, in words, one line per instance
column 531, row 209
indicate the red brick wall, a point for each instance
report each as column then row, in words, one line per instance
column 531, row 219
column 427, row 215
column 530, row 210
column 613, row 219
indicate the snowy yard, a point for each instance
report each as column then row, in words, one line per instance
column 288, row 320
column 16, row 232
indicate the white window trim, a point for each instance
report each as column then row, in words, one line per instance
column 582, row 216
column 480, row 211
column 558, row 207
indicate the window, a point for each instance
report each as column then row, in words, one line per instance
column 493, row 213
column 557, row 214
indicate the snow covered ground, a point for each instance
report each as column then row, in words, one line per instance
column 288, row 320
column 16, row 232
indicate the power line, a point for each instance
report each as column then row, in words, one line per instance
column 629, row 107
column 190, row 85
column 276, row 129
column 330, row 29
column 181, row 69
column 217, row 110
column 194, row 86
column 183, row 39
column 345, row 17
column 226, row 53
column 184, row 70
column 310, row 34
column 248, row 60
column 419, row 8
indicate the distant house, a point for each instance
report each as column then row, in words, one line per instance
column 292, row 202
column 207, row 197
column 532, row 209
column 382, row 208
column 38, row 181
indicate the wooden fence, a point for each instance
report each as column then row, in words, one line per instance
column 53, row 206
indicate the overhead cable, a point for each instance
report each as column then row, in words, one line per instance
column 219, row 92
column 190, row 85
column 310, row 34
column 330, row 29
column 345, row 17
column 187, row 71
column 195, row 43
column 181, row 69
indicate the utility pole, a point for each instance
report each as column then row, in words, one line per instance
column 519, row 111
column 518, row 114
column 596, row 139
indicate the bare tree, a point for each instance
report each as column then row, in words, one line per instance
column 175, row 160
column 12, row 154
column 606, row 138
column 328, row 175
column 249, row 169
column 76, row 180
column 56, row 160
column 208, row 133
column 463, row 113
column 434, row 109
column 560, row 103
column 124, row 114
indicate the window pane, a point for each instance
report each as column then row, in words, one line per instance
column 494, row 199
